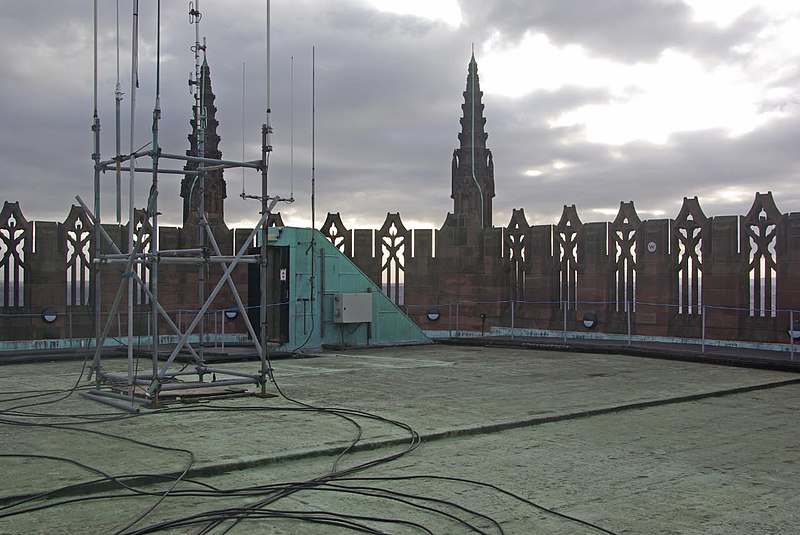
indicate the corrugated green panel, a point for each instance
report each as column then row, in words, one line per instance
column 311, row 309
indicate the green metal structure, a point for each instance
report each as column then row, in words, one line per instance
column 319, row 297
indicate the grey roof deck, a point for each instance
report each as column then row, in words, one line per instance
column 630, row 444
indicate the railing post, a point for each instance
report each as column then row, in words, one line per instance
column 629, row 306
column 69, row 318
column 791, row 333
column 564, row 305
column 216, row 328
column 223, row 318
column 458, row 325
column 513, row 306
column 450, row 319
column 703, row 330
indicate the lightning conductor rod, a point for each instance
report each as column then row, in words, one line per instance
column 131, row 214
column 96, row 158
column 152, row 202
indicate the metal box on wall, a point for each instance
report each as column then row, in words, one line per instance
column 352, row 308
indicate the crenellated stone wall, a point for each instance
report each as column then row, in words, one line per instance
column 737, row 276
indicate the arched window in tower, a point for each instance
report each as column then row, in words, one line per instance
column 213, row 204
column 14, row 235
column 142, row 234
column 393, row 238
column 567, row 232
column 515, row 251
column 688, row 232
column 760, row 226
column 623, row 233
column 78, row 232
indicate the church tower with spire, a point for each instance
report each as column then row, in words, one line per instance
column 214, row 182
column 473, row 169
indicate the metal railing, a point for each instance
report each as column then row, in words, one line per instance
column 628, row 322
column 74, row 328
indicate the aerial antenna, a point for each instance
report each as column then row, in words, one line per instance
column 269, row 110
column 243, row 86
column 313, row 135
column 312, row 245
column 291, row 132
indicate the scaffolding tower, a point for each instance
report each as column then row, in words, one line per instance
column 130, row 390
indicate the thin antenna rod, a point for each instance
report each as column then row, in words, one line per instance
column 313, row 135
column 95, row 58
column 291, row 132
column 243, row 112
column 117, row 42
column 312, row 245
column 267, row 58
column 269, row 65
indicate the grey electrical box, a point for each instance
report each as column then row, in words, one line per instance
column 352, row 308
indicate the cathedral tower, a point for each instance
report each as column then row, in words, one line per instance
column 473, row 169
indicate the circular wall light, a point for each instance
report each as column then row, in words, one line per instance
column 794, row 332
column 232, row 313
column 433, row 314
column 49, row 315
column 590, row 320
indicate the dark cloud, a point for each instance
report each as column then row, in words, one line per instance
column 656, row 177
column 626, row 30
column 388, row 102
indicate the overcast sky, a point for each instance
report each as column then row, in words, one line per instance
column 588, row 102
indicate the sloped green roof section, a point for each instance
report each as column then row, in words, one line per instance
column 318, row 272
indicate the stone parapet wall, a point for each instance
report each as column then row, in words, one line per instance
column 724, row 277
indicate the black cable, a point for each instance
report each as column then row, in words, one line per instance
column 163, row 496
column 491, row 486
column 213, row 519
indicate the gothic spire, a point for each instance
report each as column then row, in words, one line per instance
column 473, row 169
column 473, row 109
column 214, row 183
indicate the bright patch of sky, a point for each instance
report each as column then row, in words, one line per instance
column 677, row 92
column 729, row 195
column 443, row 10
column 724, row 12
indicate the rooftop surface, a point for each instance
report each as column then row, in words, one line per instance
column 509, row 440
